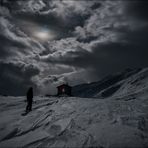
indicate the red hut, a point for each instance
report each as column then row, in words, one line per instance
column 64, row 89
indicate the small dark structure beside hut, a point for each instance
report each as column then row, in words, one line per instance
column 64, row 89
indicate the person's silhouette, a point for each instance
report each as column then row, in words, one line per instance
column 29, row 99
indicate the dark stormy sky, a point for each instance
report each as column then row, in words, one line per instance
column 44, row 43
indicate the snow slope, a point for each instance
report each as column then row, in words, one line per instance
column 109, row 83
column 119, row 120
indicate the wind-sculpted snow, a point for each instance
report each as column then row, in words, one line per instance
column 75, row 122
column 118, row 120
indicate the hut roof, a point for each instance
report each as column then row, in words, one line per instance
column 63, row 85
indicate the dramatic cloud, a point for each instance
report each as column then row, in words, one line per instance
column 46, row 43
column 16, row 77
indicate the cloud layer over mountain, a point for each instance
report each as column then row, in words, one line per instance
column 45, row 43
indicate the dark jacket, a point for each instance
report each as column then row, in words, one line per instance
column 30, row 95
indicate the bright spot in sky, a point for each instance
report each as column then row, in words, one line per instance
column 43, row 34
column 39, row 32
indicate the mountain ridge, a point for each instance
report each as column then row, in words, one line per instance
column 109, row 82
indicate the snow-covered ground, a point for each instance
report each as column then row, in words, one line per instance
column 118, row 121
column 74, row 122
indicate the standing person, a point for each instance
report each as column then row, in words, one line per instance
column 29, row 99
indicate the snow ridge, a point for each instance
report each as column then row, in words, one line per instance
column 116, row 120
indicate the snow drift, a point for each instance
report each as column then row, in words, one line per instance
column 114, row 114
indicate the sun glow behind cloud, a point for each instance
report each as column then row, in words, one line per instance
column 43, row 34
column 37, row 31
